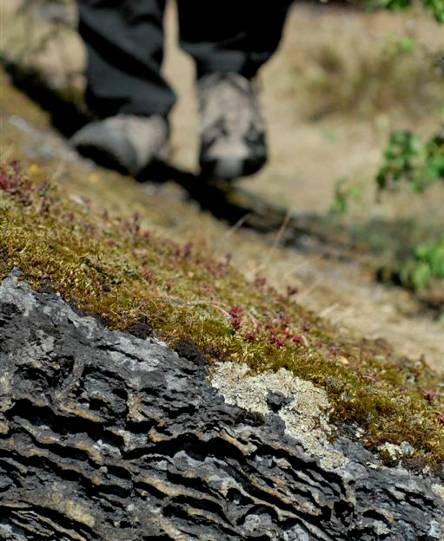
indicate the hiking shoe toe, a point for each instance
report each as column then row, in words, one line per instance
column 124, row 142
column 233, row 141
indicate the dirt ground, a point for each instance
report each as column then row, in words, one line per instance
column 328, row 119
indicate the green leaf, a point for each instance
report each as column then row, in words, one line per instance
column 421, row 276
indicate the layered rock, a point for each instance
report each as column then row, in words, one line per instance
column 108, row 436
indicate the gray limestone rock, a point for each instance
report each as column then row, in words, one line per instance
column 105, row 436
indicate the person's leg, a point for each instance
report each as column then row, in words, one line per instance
column 125, row 88
column 231, row 36
column 229, row 41
column 124, row 40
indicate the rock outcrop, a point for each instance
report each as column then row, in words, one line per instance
column 108, row 436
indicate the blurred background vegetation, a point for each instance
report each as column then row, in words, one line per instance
column 356, row 108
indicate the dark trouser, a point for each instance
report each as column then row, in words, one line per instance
column 125, row 41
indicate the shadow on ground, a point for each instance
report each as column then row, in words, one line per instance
column 223, row 200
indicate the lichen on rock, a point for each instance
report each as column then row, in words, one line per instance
column 303, row 407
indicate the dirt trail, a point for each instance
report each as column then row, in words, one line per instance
column 341, row 291
column 324, row 152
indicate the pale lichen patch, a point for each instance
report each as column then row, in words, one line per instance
column 396, row 452
column 305, row 408
column 10, row 295
column 438, row 489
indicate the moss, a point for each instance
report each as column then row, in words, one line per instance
column 11, row 102
column 111, row 266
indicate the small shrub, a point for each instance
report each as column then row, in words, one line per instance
column 426, row 265
column 407, row 159
column 345, row 194
column 436, row 7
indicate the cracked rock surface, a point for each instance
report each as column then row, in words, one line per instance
column 105, row 436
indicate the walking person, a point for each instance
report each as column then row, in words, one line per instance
column 229, row 42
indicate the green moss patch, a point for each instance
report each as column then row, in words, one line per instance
column 112, row 267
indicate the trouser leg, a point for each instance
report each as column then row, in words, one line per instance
column 231, row 35
column 124, row 40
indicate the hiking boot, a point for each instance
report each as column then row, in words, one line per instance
column 233, row 142
column 126, row 142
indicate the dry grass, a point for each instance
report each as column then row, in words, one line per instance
column 365, row 65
